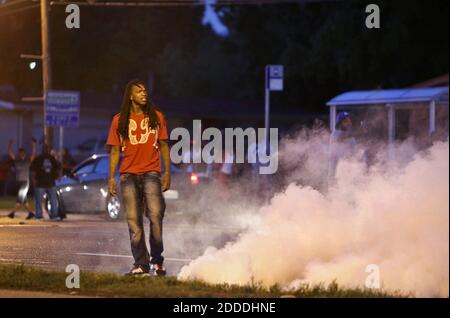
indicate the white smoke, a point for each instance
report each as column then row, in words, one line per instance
column 396, row 217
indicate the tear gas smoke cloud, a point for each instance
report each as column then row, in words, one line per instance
column 395, row 216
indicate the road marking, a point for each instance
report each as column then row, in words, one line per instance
column 184, row 260
column 211, row 228
column 32, row 261
column 27, row 225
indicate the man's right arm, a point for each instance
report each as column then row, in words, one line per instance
column 10, row 150
column 33, row 149
column 114, row 157
column 33, row 172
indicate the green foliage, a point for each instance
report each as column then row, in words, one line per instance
column 9, row 202
column 324, row 46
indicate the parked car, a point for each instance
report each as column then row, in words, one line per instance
column 85, row 188
column 88, row 147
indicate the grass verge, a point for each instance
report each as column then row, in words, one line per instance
column 20, row 277
column 8, row 202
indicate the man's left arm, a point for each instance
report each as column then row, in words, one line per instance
column 33, row 168
column 165, row 153
column 57, row 169
column 33, row 149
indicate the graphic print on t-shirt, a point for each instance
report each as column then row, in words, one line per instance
column 140, row 150
column 145, row 131
column 47, row 165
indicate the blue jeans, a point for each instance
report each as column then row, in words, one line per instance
column 39, row 194
column 142, row 195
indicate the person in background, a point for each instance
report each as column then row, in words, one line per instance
column 54, row 154
column 22, row 164
column 226, row 175
column 191, row 156
column 4, row 170
column 342, row 142
column 45, row 169
column 67, row 162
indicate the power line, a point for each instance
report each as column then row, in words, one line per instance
column 155, row 3
column 129, row 4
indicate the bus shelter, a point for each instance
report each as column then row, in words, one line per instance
column 396, row 113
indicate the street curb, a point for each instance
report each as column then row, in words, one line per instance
column 12, row 293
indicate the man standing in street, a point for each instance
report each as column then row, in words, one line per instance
column 22, row 167
column 140, row 133
column 45, row 170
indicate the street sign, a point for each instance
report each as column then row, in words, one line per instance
column 62, row 108
column 274, row 77
column 274, row 82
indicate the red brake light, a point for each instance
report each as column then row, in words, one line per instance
column 194, row 179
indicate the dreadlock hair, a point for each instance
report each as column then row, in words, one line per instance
column 149, row 110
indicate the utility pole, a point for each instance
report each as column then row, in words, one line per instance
column 46, row 66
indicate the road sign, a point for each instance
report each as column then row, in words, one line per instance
column 274, row 77
column 62, row 108
column 274, row 82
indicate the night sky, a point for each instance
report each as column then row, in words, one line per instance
column 324, row 47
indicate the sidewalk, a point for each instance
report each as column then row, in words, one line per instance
column 19, row 219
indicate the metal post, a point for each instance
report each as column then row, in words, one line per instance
column 266, row 107
column 46, row 66
column 391, row 123
column 20, row 137
column 332, row 118
column 266, row 118
column 61, row 142
column 432, row 117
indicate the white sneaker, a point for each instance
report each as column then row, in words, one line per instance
column 158, row 270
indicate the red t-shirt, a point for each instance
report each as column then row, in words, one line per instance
column 140, row 150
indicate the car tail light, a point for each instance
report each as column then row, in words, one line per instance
column 194, row 179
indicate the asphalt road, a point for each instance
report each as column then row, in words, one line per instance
column 95, row 244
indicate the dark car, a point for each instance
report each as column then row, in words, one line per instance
column 88, row 147
column 85, row 189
